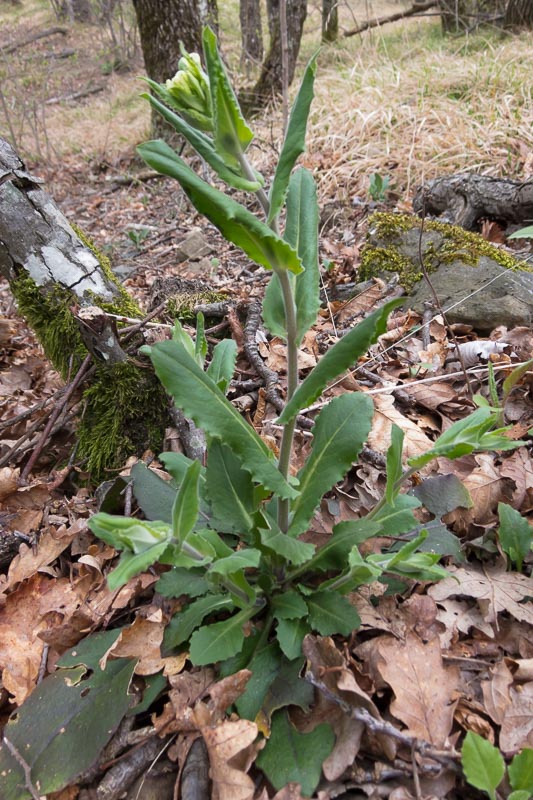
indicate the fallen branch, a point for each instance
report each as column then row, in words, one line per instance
column 417, row 8
column 10, row 48
column 75, row 95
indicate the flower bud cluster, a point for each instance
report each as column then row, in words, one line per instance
column 188, row 91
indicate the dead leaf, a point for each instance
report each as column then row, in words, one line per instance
column 517, row 726
column 496, row 691
column 229, row 745
column 424, row 689
column 8, row 482
column 224, row 692
column 494, row 589
column 30, row 559
column 416, row 442
column 142, row 640
column 487, row 488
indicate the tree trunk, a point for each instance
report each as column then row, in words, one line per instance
column 270, row 81
column 454, row 16
column 519, row 14
column 251, row 32
column 61, row 287
column 330, row 20
column 76, row 10
column 163, row 25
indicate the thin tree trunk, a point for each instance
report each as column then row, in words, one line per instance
column 330, row 20
column 163, row 25
column 270, row 81
column 519, row 14
column 251, row 32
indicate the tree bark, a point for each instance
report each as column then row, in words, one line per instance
column 270, row 81
column 251, row 32
column 57, row 281
column 519, row 14
column 163, row 25
column 330, row 20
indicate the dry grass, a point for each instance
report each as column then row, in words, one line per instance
column 399, row 100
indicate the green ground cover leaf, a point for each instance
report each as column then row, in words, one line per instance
column 185, row 622
column 331, row 613
column 342, row 355
column 292, row 757
column 483, row 764
column 201, row 400
column 339, row 433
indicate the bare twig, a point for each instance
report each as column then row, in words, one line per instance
column 81, row 374
column 417, row 8
column 33, row 37
column 25, row 766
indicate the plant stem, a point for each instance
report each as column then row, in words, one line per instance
column 292, row 350
column 250, row 175
column 396, row 488
column 292, row 382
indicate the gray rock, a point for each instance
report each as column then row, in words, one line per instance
column 476, row 283
column 194, row 247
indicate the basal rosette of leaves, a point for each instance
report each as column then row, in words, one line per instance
column 229, row 531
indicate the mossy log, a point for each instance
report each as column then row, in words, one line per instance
column 56, row 275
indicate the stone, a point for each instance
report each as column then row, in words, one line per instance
column 477, row 284
column 194, row 247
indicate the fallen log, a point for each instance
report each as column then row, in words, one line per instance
column 6, row 49
column 57, row 278
column 465, row 199
column 417, row 8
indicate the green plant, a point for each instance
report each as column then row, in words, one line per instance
column 229, row 531
column 138, row 235
column 523, row 233
column 377, row 188
column 484, row 768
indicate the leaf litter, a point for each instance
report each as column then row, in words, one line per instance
column 424, row 667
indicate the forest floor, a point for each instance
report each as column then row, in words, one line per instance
column 400, row 102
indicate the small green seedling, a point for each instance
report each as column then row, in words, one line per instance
column 378, row 187
column 484, row 768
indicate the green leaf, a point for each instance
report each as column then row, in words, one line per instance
column 221, row 640
column 185, row 622
column 201, row 400
column 512, row 379
column 442, row 541
column 342, row 355
column 466, row 436
column 288, row 689
column 515, row 534
column 232, row 134
column 241, row 559
column 442, row 494
column 128, row 533
column 289, row 605
column 63, row 726
column 330, row 613
column 290, row 635
column 187, row 503
column 291, row 550
column 334, row 554
column 394, row 463
column 264, row 665
column 132, row 564
column 294, row 144
column 521, row 771
column 483, row 764
column 230, row 490
column 292, row 757
column 177, row 465
column 339, row 433
column 180, row 581
column 360, row 572
column 301, row 232
column 204, row 147
column 154, row 495
column 234, row 221
column 520, row 794
column 200, row 343
column 222, row 365
column 523, row 233
column 399, row 517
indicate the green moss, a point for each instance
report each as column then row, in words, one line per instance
column 49, row 315
column 125, row 414
column 454, row 244
column 181, row 305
